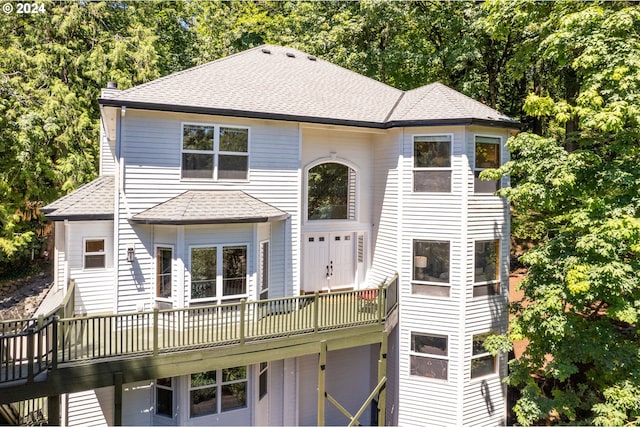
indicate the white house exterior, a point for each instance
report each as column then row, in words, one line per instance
column 272, row 173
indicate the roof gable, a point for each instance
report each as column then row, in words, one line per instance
column 282, row 83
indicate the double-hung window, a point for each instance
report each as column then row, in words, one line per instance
column 429, row 355
column 486, row 278
column 215, row 152
column 217, row 391
column 94, row 254
column 430, row 275
column 482, row 362
column 487, row 156
column 432, row 163
column 218, row 272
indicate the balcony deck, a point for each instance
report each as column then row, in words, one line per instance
column 59, row 353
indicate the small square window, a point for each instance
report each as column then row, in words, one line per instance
column 431, row 261
column 94, row 254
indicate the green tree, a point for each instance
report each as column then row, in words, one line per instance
column 52, row 66
column 577, row 195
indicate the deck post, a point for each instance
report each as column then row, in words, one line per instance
column 53, row 410
column 322, row 365
column 380, row 298
column 316, row 300
column 155, row 331
column 117, row 399
column 54, row 343
column 382, row 372
column 243, row 308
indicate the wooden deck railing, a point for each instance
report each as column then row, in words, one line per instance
column 28, row 347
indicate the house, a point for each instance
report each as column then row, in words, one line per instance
column 266, row 185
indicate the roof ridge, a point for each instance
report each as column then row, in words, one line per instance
column 428, row 89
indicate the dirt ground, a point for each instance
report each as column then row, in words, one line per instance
column 515, row 277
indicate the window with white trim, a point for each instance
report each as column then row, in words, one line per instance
column 487, row 156
column 486, row 277
column 432, row 163
column 482, row 362
column 331, row 192
column 218, row 272
column 263, row 380
column 164, row 259
column 431, row 264
column 164, row 397
column 94, row 254
column 429, row 355
column 264, row 269
column 217, row 391
column 215, row 152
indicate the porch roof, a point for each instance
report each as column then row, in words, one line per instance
column 210, row 207
column 92, row 201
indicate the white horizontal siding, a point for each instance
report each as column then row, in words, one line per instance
column 91, row 408
column 385, row 207
column 152, row 158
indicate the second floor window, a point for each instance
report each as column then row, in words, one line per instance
column 432, row 163
column 94, row 254
column 486, row 276
column 215, row 152
column 487, row 156
column 429, row 356
column 331, row 192
column 430, row 274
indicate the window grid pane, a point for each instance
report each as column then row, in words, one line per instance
column 234, row 139
column 234, row 270
column 163, row 272
column 195, row 137
column 232, row 167
column 432, row 152
column 432, row 181
column 487, row 261
column 203, row 272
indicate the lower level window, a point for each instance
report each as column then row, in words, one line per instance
column 164, row 397
column 217, row 391
column 263, row 380
column 429, row 356
column 482, row 362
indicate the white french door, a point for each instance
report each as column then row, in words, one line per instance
column 329, row 261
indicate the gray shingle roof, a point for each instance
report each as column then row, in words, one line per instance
column 283, row 83
column 210, row 207
column 92, row 201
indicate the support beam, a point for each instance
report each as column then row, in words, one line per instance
column 382, row 373
column 117, row 399
column 322, row 371
column 53, row 410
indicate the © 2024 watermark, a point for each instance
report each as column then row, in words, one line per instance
column 23, row 8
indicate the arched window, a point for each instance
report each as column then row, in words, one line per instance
column 331, row 192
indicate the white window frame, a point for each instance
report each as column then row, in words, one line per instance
column 495, row 282
column 415, row 169
column 446, row 357
column 173, row 398
column 322, row 222
column 263, row 370
column 418, row 282
column 154, row 274
column 218, row 388
column 475, row 160
column 484, row 355
column 219, row 298
column 216, row 152
column 85, row 253
column 262, row 267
